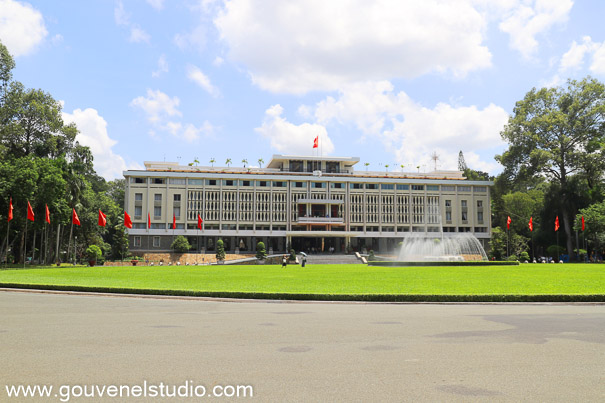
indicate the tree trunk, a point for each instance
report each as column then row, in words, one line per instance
column 568, row 234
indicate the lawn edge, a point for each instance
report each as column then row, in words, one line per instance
column 320, row 297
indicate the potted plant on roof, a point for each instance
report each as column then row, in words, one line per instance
column 93, row 253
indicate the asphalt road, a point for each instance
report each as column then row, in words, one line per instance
column 305, row 351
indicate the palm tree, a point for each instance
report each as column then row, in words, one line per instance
column 387, row 167
column 228, row 162
column 245, row 162
column 212, row 161
column 367, row 164
column 196, row 161
column 402, row 166
column 261, row 162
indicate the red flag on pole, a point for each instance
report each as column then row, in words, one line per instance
column 557, row 224
column 30, row 212
column 102, row 219
column 127, row 220
column 531, row 224
column 10, row 209
column 148, row 220
column 173, row 221
column 199, row 222
column 508, row 221
column 47, row 219
column 316, row 142
column 583, row 227
column 74, row 217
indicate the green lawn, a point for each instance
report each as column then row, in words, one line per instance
column 525, row 279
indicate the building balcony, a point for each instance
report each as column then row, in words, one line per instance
column 320, row 220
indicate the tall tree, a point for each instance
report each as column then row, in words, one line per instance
column 558, row 132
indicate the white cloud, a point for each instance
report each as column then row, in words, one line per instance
column 575, row 57
column 162, row 67
column 525, row 19
column 138, row 35
column 289, row 138
column 195, row 39
column 318, row 45
column 197, row 76
column 161, row 111
column 412, row 131
column 93, row 133
column 218, row 61
column 157, row 105
column 120, row 15
column 22, row 27
column 157, row 4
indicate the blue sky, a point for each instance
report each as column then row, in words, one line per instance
column 389, row 81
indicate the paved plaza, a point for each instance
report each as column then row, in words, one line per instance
column 291, row 351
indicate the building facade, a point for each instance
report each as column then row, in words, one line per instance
column 307, row 203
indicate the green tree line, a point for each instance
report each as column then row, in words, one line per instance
column 42, row 162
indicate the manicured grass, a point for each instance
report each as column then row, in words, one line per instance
column 525, row 279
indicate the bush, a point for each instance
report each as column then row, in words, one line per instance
column 524, row 256
column 93, row 253
column 512, row 258
column 180, row 244
column 292, row 255
column 220, row 250
column 555, row 251
column 371, row 255
column 261, row 252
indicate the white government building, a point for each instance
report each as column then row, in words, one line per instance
column 306, row 203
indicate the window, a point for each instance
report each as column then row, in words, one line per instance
column 479, row 203
column 196, row 182
column 463, row 203
column 176, row 181
column 246, row 183
column 448, row 188
column 448, row 216
column 279, row 184
column 158, row 181
column 211, row 182
column 177, row 197
column 464, row 188
column 300, row 184
column 372, row 186
column 138, row 197
column 313, row 166
column 177, row 211
column 296, row 166
column 448, row 203
column 138, row 211
column 157, row 211
column 464, row 216
column 480, row 189
column 156, row 241
column 157, row 197
column 480, row 216
column 356, row 185
column 263, row 184
column 332, row 167
column 159, row 226
column 137, row 241
column 229, row 182
column 417, row 187
column 386, row 186
column 337, row 185
column 318, row 185
column 480, row 229
column 138, row 180
column 139, row 225
column 432, row 188
column 403, row 187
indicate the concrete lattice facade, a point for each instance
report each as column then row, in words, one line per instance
column 309, row 203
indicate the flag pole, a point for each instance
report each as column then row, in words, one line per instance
column 6, row 250
column 557, row 244
column 71, row 230
column 25, row 244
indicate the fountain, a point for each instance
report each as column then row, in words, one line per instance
column 456, row 247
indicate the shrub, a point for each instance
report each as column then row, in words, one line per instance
column 180, row 244
column 524, row 256
column 371, row 255
column 292, row 255
column 261, row 252
column 93, row 253
column 512, row 258
column 220, row 250
column 554, row 251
